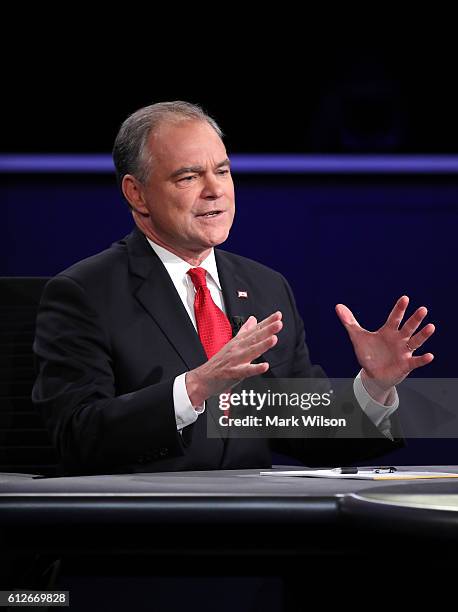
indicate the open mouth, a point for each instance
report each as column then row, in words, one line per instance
column 212, row 213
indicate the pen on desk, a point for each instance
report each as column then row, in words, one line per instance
column 354, row 470
column 384, row 470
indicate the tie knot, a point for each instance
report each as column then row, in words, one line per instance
column 198, row 277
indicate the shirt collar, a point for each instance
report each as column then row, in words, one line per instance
column 178, row 266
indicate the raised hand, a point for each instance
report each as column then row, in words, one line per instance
column 233, row 362
column 386, row 355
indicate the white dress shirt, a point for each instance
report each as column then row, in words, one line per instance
column 185, row 412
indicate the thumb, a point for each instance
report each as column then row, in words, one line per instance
column 346, row 317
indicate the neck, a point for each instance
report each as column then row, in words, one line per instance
column 193, row 258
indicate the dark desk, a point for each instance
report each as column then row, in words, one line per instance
column 231, row 525
column 230, row 510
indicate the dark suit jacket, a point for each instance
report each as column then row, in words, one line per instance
column 112, row 335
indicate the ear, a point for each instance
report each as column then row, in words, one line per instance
column 133, row 192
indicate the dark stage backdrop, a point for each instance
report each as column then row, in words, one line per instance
column 360, row 240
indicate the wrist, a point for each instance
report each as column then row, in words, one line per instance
column 379, row 392
column 195, row 388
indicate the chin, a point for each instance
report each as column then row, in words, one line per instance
column 215, row 237
column 219, row 238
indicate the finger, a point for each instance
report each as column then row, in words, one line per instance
column 275, row 316
column 398, row 312
column 253, row 369
column 416, row 341
column 249, row 324
column 412, row 324
column 346, row 316
column 256, row 350
column 421, row 360
column 257, row 334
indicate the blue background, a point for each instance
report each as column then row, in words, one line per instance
column 359, row 240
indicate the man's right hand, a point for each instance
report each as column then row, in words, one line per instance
column 233, row 362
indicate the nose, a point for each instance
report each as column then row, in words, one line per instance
column 212, row 189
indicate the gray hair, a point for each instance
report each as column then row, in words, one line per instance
column 130, row 154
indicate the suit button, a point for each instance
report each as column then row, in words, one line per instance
column 163, row 452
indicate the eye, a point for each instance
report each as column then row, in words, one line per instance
column 187, row 179
column 226, row 171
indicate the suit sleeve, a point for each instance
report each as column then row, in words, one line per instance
column 320, row 451
column 92, row 427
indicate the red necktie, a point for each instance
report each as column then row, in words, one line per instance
column 212, row 324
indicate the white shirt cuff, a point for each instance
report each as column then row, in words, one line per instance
column 377, row 412
column 185, row 413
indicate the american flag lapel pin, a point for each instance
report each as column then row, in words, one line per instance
column 242, row 294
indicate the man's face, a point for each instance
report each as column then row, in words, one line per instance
column 189, row 194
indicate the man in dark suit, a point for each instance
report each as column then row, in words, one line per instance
column 133, row 342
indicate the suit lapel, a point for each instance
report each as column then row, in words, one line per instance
column 238, row 294
column 157, row 294
column 238, row 299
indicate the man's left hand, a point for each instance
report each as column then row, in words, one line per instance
column 386, row 355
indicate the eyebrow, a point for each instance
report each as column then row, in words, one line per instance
column 198, row 169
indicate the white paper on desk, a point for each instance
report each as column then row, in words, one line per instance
column 361, row 475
